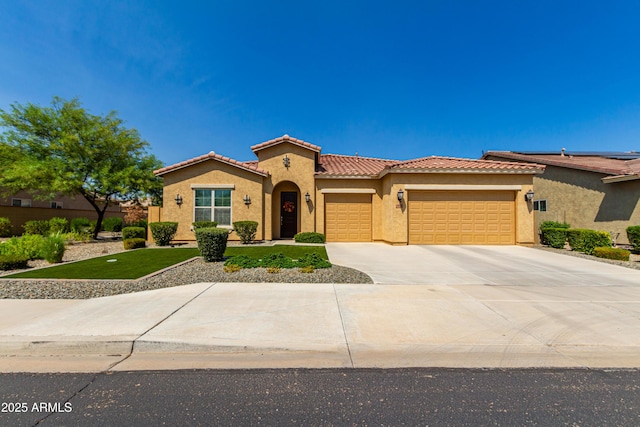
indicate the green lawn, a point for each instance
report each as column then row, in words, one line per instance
column 290, row 251
column 128, row 265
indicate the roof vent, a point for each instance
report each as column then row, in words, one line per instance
column 212, row 153
column 285, row 136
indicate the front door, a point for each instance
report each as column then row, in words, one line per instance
column 288, row 214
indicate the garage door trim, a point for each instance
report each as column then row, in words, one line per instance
column 454, row 187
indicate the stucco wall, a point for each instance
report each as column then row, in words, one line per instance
column 584, row 201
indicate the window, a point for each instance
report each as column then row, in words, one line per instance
column 213, row 205
column 56, row 205
column 21, row 203
column 540, row 205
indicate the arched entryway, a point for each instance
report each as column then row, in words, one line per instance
column 285, row 210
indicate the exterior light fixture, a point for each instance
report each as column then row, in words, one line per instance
column 286, row 161
column 528, row 196
column 400, row 195
column 178, row 199
column 247, row 199
column 307, row 197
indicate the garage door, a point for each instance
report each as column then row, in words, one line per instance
column 348, row 217
column 462, row 217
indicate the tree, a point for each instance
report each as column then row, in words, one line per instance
column 64, row 149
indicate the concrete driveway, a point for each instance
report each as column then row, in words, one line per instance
column 476, row 265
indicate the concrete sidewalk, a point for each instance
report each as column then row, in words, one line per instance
column 248, row 325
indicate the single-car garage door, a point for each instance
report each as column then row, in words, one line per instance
column 462, row 217
column 348, row 217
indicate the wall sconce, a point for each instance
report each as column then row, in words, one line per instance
column 528, row 196
column 178, row 199
column 247, row 199
column 307, row 197
column 400, row 195
column 286, row 161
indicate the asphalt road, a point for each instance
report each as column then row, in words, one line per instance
column 393, row 397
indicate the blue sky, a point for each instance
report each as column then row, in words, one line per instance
column 394, row 80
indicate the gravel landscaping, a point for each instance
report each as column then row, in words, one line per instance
column 194, row 271
column 634, row 261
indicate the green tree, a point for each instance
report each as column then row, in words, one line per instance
column 65, row 149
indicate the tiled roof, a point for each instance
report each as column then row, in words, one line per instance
column 601, row 162
column 458, row 164
column 212, row 156
column 339, row 165
column 285, row 138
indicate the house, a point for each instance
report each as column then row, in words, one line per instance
column 600, row 191
column 292, row 187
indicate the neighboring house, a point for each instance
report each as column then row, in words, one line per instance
column 23, row 206
column 292, row 188
column 600, row 191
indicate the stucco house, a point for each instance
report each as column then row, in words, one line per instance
column 596, row 190
column 292, row 187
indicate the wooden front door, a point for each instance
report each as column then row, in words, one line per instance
column 288, row 214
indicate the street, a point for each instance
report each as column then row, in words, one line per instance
column 390, row 397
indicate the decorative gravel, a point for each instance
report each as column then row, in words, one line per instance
column 634, row 260
column 194, row 271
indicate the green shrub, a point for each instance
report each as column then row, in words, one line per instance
column 554, row 237
column 163, row 232
column 73, row 236
column 58, row 225
column 13, row 262
column 243, row 261
column 307, row 269
column 134, row 243
column 309, row 237
column 584, row 240
column 39, row 227
column 633, row 233
column 554, row 224
column 5, row 227
column 134, row 233
column 113, row 224
column 612, row 253
column 246, row 230
column 278, row 260
column 29, row 246
column 313, row 260
column 212, row 243
column 232, row 268
column 141, row 223
column 204, row 224
column 53, row 249
column 80, row 225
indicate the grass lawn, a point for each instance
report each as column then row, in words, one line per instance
column 128, row 265
column 290, row 251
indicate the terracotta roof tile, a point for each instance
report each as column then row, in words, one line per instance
column 340, row 165
column 454, row 163
column 212, row 156
column 594, row 163
column 285, row 138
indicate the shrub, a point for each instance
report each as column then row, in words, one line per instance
column 58, row 225
column 273, row 270
column 554, row 224
column 243, row 261
column 29, row 246
column 80, row 225
column 554, row 237
column 204, row 224
column 134, row 243
column 309, row 237
column 313, row 260
column 77, row 237
column 113, row 224
column 36, row 227
column 13, row 262
column 246, row 230
column 633, row 233
column 53, row 249
column 5, row 227
column 163, row 232
column 135, row 215
column 307, row 269
column 231, row 268
column 612, row 253
column 278, row 260
column 212, row 243
column 583, row 240
column 134, row 233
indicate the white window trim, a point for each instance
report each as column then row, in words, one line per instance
column 230, row 226
column 538, row 203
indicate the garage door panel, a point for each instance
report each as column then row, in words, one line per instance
column 462, row 217
column 348, row 217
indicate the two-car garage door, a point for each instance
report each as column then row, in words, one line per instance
column 462, row 217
